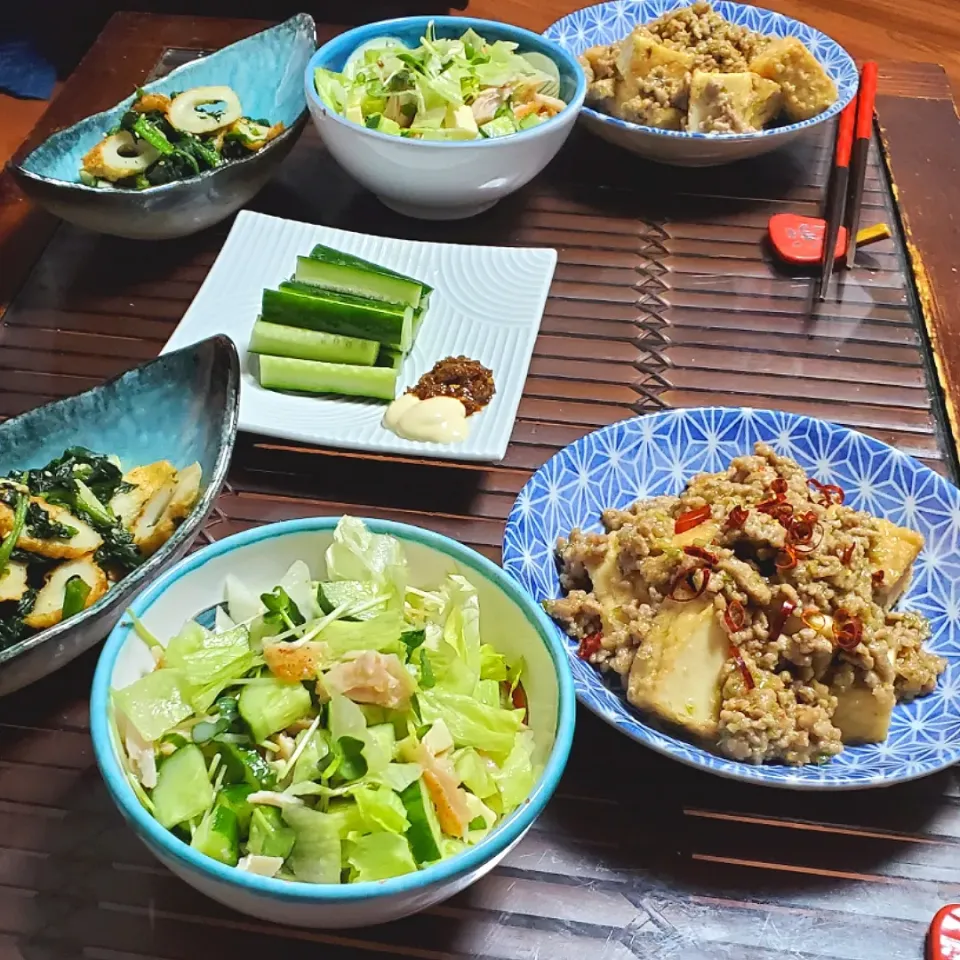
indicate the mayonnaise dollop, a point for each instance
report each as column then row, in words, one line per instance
column 435, row 420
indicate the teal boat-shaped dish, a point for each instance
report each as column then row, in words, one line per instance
column 266, row 72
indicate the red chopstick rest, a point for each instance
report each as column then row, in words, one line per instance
column 943, row 941
column 799, row 239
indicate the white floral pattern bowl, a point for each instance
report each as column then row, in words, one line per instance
column 657, row 454
column 607, row 23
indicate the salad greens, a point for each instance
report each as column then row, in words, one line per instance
column 445, row 89
column 336, row 732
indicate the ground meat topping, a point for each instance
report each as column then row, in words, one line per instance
column 463, row 379
column 799, row 638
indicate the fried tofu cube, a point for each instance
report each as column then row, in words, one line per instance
column 644, row 111
column 893, row 553
column 807, row 88
column 863, row 715
column 676, row 672
column 731, row 102
column 701, row 535
column 641, row 53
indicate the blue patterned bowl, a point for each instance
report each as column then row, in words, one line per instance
column 609, row 22
column 265, row 70
column 181, row 407
column 657, row 454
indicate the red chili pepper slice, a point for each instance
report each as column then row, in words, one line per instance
column 701, row 553
column 778, row 620
column 691, row 518
column 847, row 629
column 686, row 588
column 779, row 487
column 735, row 617
column 589, row 645
column 736, row 518
column 737, row 658
column 786, row 559
column 831, row 492
column 519, row 699
column 877, row 577
column 813, row 619
column 846, row 555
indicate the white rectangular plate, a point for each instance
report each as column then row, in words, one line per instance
column 487, row 304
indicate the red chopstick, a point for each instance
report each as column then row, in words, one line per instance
column 838, row 193
column 866, row 97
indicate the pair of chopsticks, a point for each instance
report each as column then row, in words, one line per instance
column 846, row 192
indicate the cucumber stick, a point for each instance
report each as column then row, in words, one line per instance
column 359, row 281
column 312, row 376
column 424, row 832
column 329, row 255
column 302, row 305
column 304, row 344
column 390, row 357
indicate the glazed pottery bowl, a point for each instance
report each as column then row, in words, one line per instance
column 509, row 619
column 433, row 179
column 181, row 407
column 607, row 23
column 265, row 70
column 657, row 455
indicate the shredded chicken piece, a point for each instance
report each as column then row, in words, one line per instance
column 372, row 677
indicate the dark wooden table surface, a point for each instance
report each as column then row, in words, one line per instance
column 664, row 295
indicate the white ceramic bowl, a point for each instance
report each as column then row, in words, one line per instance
column 510, row 620
column 609, row 22
column 442, row 180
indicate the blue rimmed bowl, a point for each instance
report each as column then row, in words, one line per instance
column 181, row 407
column 610, row 22
column 509, row 620
column 266, row 72
column 657, row 454
column 443, row 180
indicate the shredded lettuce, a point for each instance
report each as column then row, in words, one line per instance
column 155, row 703
column 471, row 723
column 315, row 857
column 381, row 809
column 517, row 776
column 379, row 856
column 358, row 554
column 445, row 89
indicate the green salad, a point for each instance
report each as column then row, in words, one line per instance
column 343, row 731
column 459, row 89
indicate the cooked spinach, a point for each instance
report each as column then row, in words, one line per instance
column 12, row 627
column 42, row 526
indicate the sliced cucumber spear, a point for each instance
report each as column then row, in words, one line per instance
column 302, row 344
column 359, row 281
column 302, row 305
column 312, row 376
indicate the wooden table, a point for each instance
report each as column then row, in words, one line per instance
column 663, row 296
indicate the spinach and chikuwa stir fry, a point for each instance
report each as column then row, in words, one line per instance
column 71, row 528
column 161, row 139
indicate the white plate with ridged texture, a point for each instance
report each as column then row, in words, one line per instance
column 487, row 304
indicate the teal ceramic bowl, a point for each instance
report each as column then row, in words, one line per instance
column 509, row 619
column 181, row 407
column 266, row 72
